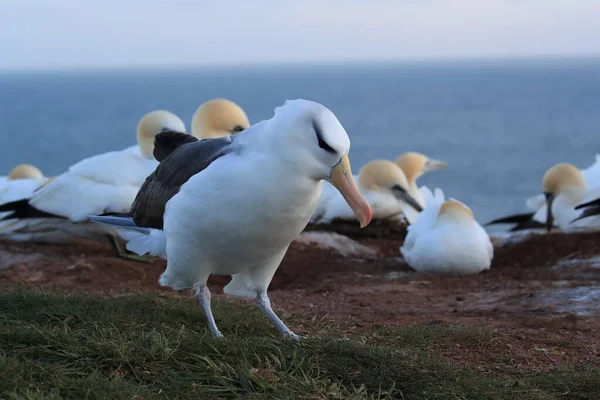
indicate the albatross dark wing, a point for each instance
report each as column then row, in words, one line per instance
column 182, row 158
column 167, row 142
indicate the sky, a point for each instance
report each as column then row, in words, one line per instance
column 55, row 34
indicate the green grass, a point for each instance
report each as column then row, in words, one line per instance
column 54, row 346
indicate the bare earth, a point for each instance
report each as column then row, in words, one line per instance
column 542, row 294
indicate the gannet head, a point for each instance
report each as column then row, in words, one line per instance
column 217, row 118
column 385, row 175
column 154, row 123
column 454, row 211
column 309, row 139
column 416, row 164
column 25, row 171
column 565, row 179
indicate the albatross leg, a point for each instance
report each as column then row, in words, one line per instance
column 122, row 253
column 264, row 303
column 203, row 295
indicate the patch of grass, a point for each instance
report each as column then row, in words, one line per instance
column 55, row 346
column 433, row 336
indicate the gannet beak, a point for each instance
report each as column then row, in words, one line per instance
column 341, row 178
column 549, row 216
column 401, row 194
column 432, row 165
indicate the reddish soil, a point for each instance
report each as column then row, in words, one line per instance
column 542, row 294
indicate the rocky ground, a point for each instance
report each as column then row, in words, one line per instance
column 542, row 294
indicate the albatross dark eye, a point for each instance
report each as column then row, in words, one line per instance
column 322, row 144
column 325, row 146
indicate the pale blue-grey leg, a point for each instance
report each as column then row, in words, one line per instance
column 204, row 297
column 264, row 303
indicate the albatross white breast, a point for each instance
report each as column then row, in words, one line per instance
column 233, row 205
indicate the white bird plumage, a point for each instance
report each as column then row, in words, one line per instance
column 446, row 238
column 238, row 214
column 103, row 183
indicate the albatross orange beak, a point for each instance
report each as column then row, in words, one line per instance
column 341, row 178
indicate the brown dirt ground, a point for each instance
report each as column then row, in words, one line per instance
column 541, row 296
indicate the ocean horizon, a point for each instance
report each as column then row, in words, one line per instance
column 498, row 124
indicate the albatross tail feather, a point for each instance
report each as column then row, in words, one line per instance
column 140, row 240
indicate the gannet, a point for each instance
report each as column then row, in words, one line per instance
column 564, row 187
column 233, row 205
column 217, row 118
column 414, row 165
column 538, row 202
column 103, row 183
column 20, row 183
column 445, row 237
column 385, row 188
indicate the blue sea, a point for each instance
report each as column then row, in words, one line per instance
column 499, row 125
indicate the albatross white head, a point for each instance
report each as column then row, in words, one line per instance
column 415, row 165
column 217, row 118
column 25, row 171
column 455, row 212
column 311, row 141
column 382, row 175
column 564, row 180
column 154, row 123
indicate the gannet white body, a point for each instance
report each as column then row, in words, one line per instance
column 232, row 205
column 384, row 187
column 445, row 237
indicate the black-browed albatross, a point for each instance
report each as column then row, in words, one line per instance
column 233, row 205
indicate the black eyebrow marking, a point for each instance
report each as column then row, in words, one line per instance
column 322, row 143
